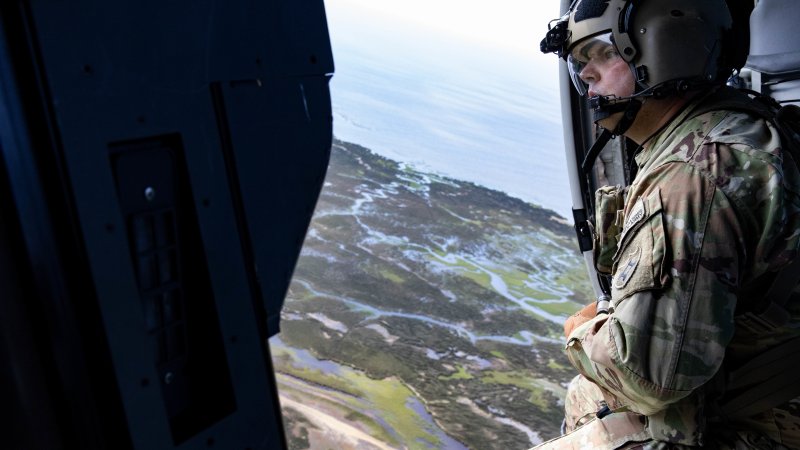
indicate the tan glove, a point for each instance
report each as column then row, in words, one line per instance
column 579, row 318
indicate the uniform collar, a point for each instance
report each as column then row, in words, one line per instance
column 653, row 143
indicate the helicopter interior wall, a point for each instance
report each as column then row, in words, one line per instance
column 774, row 58
column 171, row 155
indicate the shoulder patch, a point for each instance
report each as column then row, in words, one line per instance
column 636, row 215
column 628, row 267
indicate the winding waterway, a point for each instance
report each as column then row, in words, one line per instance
column 524, row 338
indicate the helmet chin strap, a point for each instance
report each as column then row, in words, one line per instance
column 603, row 107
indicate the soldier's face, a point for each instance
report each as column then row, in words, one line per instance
column 596, row 68
column 604, row 73
column 610, row 77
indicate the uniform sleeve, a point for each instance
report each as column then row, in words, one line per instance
column 673, row 293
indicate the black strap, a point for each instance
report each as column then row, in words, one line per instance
column 630, row 109
column 764, row 382
column 770, row 312
column 594, row 151
column 728, row 98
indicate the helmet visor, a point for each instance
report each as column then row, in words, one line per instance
column 593, row 53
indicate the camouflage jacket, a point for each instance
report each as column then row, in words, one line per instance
column 712, row 211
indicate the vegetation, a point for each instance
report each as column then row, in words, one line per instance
column 424, row 309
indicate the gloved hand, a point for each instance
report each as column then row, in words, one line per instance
column 584, row 315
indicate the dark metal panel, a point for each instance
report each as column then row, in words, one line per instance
column 290, row 47
column 281, row 159
column 28, row 416
column 279, row 39
column 60, row 297
column 235, row 96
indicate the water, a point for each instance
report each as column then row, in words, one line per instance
column 445, row 441
column 525, row 338
column 306, row 359
column 468, row 111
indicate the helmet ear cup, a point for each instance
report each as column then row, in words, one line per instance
column 680, row 43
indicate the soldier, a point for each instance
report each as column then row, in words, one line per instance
column 696, row 348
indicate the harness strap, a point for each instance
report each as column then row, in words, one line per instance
column 770, row 312
column 728, row 98
column 613, row 431
column 764, row 382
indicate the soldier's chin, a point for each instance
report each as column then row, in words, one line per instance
column 610, row 122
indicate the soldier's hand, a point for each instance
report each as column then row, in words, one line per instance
column 584, row 315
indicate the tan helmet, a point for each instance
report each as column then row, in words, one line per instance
column 671, row 45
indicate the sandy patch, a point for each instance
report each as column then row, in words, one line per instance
column 334, row 430
column 380, row 329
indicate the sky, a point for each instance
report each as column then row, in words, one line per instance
column 506, row 24
column 457, row 87
column 509, row 26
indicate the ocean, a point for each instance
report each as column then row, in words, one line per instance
column 451, row 105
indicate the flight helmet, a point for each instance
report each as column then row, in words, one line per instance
column 669, row 45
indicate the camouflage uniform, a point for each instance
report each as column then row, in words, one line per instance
column 713, row 209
